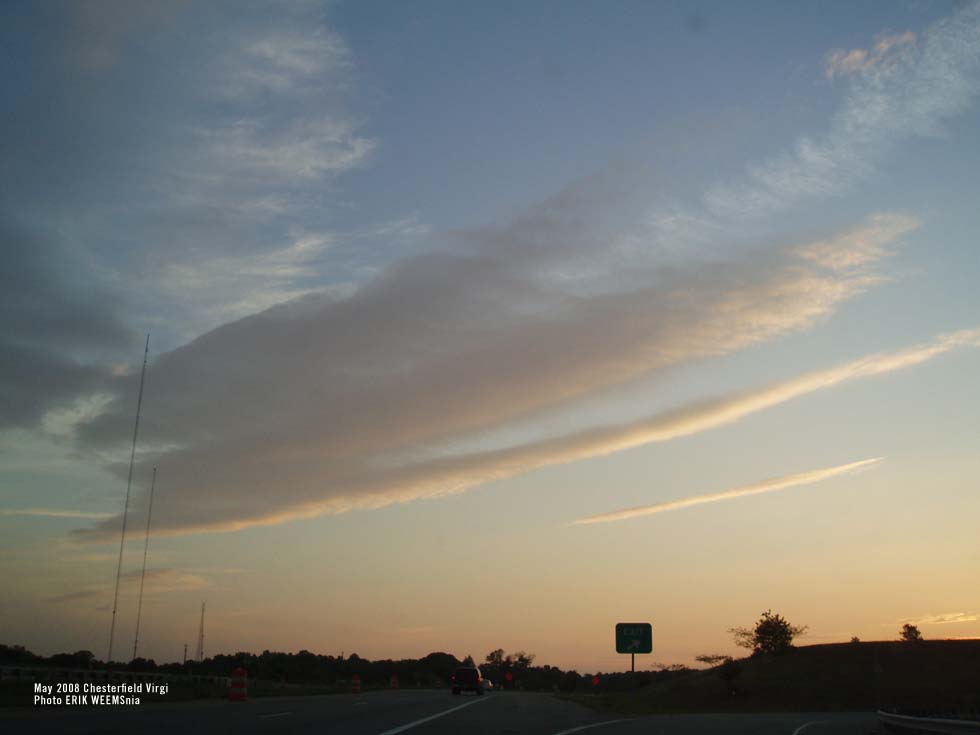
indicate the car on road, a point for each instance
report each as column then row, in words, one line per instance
column 467, row 679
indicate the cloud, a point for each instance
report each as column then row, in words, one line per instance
column 252, row 282
column 154, row 573
column 943, row 618
column 163, row 581
column 904, row 86
column 52, row 513
column 285, row 60
column 74, row 596
column 305, row 148
column 259, row 482
column 766, row 486
column 242, row 206
column 196, row 136
column 860, row 246
column 336, row 400
column 56, row 331
column 884, row 56
column 166, row 579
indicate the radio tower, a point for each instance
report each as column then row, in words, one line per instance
column 146, row 548
column 200, row 636
column 129, row 485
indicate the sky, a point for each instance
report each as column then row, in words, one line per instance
column 489, row 325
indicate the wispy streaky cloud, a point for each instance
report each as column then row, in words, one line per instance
column 160, row 581
column 53, row 513
column 250, row 283
column 904, row 86
column 217, row 170
column 862, row 245
column 286, row 61
column 305, row 149
column 75, row 596
column 943, row 618
column 766, row 486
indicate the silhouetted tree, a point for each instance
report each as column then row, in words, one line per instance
column 772, row 634
column 523, row 660
column 855, row 639
column 910, row 633
column 712, row 659
column 496, row 658
column 468, row 661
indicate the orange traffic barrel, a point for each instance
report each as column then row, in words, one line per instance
column 355, row 684
column 238, row 689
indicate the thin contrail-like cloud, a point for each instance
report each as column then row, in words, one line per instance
column 756, row 488
column 48, row 513
column 943, row 618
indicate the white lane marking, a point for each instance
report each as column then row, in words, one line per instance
column 410, row 725
column 805, row 725
column 276, row 714
column 594, row 724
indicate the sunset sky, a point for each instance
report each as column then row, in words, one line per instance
column 480, row 325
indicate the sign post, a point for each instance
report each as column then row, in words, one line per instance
column 634, row 638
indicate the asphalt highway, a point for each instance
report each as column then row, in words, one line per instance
column 417, row 712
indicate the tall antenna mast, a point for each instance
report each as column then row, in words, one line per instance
column 129, row 485
column 200, row 636
column 146, row 548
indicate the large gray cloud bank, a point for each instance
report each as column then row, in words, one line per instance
column 324, row 405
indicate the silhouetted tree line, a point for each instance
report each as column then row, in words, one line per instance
column 20, row 656
column 300, row 668
column 309, row 668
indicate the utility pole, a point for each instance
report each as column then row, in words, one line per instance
column 129, row 485
column 184, row 663
column 146, row 548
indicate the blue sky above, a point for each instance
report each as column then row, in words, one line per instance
column 572, row 258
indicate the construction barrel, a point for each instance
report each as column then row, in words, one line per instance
column 238, row 688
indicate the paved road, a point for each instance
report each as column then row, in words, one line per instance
column 415, row 713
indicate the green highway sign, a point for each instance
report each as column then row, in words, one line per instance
column 634, row 638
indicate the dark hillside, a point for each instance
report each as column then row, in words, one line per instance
column 933, row 675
